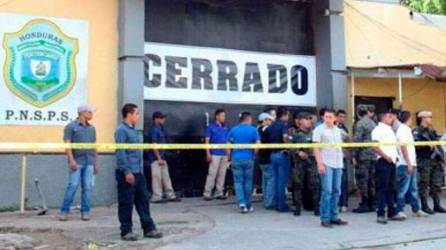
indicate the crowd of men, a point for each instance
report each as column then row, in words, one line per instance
column 387, row 176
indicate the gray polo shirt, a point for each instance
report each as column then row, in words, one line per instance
column 76, row 132
column 331, row 157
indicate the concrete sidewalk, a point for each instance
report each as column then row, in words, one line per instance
column 265, row 229
column 198, row 225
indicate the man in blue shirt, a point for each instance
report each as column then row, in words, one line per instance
column 320, row 119
column 216, row 133
column 132, row 187
column 243, row 161
column 82, row 162
column 278, row 133
column 160, row 170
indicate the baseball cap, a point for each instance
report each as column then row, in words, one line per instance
column 85, row 108
column 424, row 113
column 264, row 116
column 158, row 114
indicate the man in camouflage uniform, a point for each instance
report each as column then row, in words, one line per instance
column 304, row 164
column 365, row 161
column 430, row 161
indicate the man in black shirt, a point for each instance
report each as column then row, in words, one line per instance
column 278, row 133
column 268, row 181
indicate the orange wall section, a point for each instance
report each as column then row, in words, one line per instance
column 418, row 94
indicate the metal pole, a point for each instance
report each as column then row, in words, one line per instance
column 23, row 184
column 400, row 90
column 353, row 97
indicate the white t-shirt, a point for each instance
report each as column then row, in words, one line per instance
column 331, row 157
column 443, row 138
column 404, row 134
column 384, row 133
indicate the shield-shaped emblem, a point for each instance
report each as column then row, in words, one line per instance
column 40, row 63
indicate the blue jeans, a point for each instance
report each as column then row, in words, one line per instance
column 281, row 166
column 343, row 200
column 243, row 171
column 330, row 192
column 84, row 176
column 407, row 189
column 268, row 186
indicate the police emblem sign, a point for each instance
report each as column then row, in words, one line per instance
column 44, row 69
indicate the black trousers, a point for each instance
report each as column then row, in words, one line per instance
column 129, row 195
column 385, row 187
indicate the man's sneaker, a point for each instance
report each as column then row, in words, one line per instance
column 174, row 199
column 155, row 234
column 400, row 216
column 343, row 209
column 339, row 222
column 243, row 209
column 158, row 201
column 250, row 209
column 221, row 197
column 207, row 198
column 428, row 210
column 85, row 217
column 62, row 217
column 326, row 224
column 381, row 220
column 130, row 237
column 420, row 213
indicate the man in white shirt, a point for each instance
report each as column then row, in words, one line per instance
column 385, row 167
column 329, row 165
column 406, row 173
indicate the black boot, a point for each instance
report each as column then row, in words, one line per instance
column 363, row 206
column 437, row 204
column 297, row 211
column 317, row 211
column 425, row 206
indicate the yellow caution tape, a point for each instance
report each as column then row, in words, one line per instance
column 48, row 147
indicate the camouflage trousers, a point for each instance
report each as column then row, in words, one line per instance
column 365, row 178
column 301, row 171
column 430, row 177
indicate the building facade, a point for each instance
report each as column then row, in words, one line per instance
column 188, row 58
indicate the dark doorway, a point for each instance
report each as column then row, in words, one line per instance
column 381, row 104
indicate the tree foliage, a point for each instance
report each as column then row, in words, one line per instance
column 427, row 6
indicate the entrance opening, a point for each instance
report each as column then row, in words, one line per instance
column 381, row 104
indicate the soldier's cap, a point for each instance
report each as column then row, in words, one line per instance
column 424, row 113
column 264, row 116
column 85, row 108
column 158, row 115
column 370, row 108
